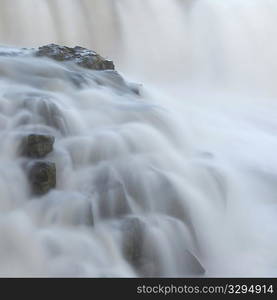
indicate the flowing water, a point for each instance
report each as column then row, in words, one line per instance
column 178, row 182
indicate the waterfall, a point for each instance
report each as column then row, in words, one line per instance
column 180, row 181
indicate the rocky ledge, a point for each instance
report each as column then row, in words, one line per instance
column 106, row 74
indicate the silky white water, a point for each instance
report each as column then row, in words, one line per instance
column 184, row 175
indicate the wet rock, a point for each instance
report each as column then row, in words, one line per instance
column 133, row 235
column 42, row 177
column 37, row 145
column 83, row 57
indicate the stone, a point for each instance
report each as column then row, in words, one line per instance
column 42, row 177
column 133, row 236
column 83, row 57
column 37, row 145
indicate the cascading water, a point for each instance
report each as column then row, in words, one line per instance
column 178, row 182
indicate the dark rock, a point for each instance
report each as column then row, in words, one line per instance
column 83, row 57
column 42, row 176
column 133, row 236
column 37, row 145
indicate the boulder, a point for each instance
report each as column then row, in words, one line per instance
column 37, row 145
column 42, row 177
column 83, row 57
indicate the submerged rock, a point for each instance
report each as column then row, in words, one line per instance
column 42, row 177
column 144, row 244
column 84, row 57
column 133, row 236
column 37, row 145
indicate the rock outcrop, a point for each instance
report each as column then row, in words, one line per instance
column 81, row 56
column 76, row 59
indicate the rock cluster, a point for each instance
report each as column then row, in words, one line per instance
column 35, row 147
column 41, row 173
